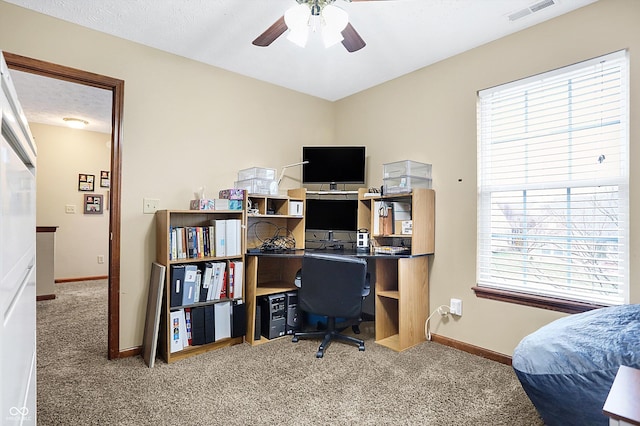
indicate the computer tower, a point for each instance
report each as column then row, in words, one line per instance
column 294, row 321
column 274, row 315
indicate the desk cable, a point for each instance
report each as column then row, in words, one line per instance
column 443, row 310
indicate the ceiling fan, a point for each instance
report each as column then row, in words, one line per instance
column 311, row 14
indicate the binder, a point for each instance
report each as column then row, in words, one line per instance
column 218, row 279
column 238, row 318
column 189, row 291
column 233, row 237
column 178, row 330
column 222, row 313
column 177, row 284
column 209, row 324
column 205, row 288
column 238, row 275
column 197, row 326
column 220, row 238
column 230, row 279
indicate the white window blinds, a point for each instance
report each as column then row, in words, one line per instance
column 553, row 183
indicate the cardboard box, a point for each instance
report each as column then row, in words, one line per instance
column 235, row 204
column 232, row 194
column 202, row 205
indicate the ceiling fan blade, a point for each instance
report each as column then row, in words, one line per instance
column 352, row 40
column 271, row 34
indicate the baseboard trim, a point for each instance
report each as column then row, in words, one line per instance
column 45, row 297
column 474, row 350
column 130, row 352
column 70, row 280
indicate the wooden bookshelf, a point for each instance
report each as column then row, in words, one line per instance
column 165, row 221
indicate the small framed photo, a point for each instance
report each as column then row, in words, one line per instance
column 105, row 180
column 93, row 204
column 85, row 182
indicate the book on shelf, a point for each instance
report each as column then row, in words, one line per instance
column 178, row 330
column 187, row 322
column 173, row 243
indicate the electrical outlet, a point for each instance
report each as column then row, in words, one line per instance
column 150, row 205
column 455, row 306
column 100, row 259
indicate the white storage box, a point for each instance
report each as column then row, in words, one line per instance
column 404, row 184
column 257, row 173
column 258, row 186
column 406, row 168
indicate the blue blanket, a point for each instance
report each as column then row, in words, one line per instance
column 567, row 367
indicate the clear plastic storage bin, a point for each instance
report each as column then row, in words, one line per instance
column 406, row 168
column 403, row 184
column 258, row 186
column 256, row 173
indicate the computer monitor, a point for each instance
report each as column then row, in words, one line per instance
column 331, row 215
column 333, row 165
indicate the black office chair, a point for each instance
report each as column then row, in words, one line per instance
column 332, row 286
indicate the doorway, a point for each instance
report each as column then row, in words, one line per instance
column 116, row 86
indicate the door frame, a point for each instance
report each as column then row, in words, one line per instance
column 116, row 87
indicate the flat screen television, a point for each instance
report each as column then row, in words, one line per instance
column 333, row 164
column 331, row 215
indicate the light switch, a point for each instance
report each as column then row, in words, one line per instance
column 150, row 205
column 70, row 209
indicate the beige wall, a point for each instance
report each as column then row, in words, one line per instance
column 430, row 116
column 63, row 154
column 187, row 125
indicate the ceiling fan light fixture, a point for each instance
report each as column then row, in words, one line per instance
column 75, row 123
column 297, row 20
column 335, row 21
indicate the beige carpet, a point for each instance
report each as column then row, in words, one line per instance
column 276, row 383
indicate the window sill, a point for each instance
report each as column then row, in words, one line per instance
column 543, row 302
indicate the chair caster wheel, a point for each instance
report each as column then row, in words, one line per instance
column 294, row 339
column 319, row 354
column 361, row 348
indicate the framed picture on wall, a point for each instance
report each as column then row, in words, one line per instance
column 93, row 204
column 105, row 178
column 85, row 182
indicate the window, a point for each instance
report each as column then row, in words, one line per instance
column 553, row 178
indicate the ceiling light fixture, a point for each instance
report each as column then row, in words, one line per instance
column 316, row 15
column 76, row 123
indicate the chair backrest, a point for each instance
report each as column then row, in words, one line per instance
column 332, row 285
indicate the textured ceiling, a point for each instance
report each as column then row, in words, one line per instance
column 47, row 100
column 401, row 35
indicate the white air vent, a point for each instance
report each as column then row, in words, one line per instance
column 537, row 7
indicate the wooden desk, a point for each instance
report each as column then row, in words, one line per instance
column 623, row 403
column 400, row 282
